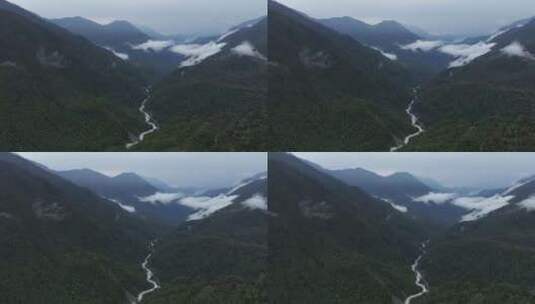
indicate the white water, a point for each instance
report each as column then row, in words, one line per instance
column 419, row 277
column 149, row 275
column 148, row 120
column 414, row 122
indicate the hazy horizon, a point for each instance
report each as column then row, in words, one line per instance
column 439, row 17
column 472, row 170
column 188, row 17
column 201, row 170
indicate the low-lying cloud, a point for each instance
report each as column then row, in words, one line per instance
column 197, row 53
column 162, row 198
column 122, row 56
column 466, row 53
column 247, row 49
column 423, row 45
column 205, row 205
column 154, row 45
column 481, row 206
column 387, row 55
column 256, row 202
column 528, row 204
column 435, row 197
column 127, row 208
column 516, row 49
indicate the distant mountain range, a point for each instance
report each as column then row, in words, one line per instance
column 469, row 94
column 72, row 84
column 484, row 105
column 80, row 235
column 480, row 246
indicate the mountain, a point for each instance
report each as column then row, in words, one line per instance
column 493, row 255
column 68, row 243
column 133, row 193
column 389, row 37
column 58, row 91
column 123, row 38
column 400, row 190
column 223, row 257
column 328, row 238
column 485, row 105
column 330, row 92
column 113, row 34
column 216, row 100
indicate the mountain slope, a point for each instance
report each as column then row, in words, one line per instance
column 60, row 92
column 485, row 105
column 63, row 240
column 494, row 256
column 113, row 34
column 132, row 192
column 400, row 190
column 124, row 39
column 390, row 37
column 329, row 92
column 215, row 104
column 222, row 257
column 329, row 238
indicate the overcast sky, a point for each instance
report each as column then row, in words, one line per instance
column 479, row 170
column 459, row 17
column 204, row 170
column 166, row 16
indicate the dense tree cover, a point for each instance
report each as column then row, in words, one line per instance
column 220, row 259
column 332, row 243
column 329, row 92
column 217, row 105
column 63, row 244
column 60, row 92
column 486, row 105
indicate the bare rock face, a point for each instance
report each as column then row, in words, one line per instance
column 311, row 59
column 53, row 59
column 321, row 210
column 49, row 211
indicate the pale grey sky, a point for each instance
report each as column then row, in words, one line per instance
column 166, row 16
column 460, row 17
column 204, row 170
column 479, row 170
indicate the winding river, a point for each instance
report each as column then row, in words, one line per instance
column 149, row 275
column 148, row 120
column 414, row 122
column 419, row 277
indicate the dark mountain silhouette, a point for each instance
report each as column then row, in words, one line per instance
column 328, row 91
column 59, row 91
column 328, row 238
column 68, row 243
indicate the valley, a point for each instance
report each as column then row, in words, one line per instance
column 414, row 122
column 443, row 245
column 148, row 120
column 90, row 238
column 73, row 84
column 475, row 92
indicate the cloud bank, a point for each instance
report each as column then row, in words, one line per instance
column 247, row 49
column 435, row 197
column 206, row 206
column 466, row 53
column 256, row 202
column 516, row 49
column 162, row 198
column 197, row 53
column 154, row 45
